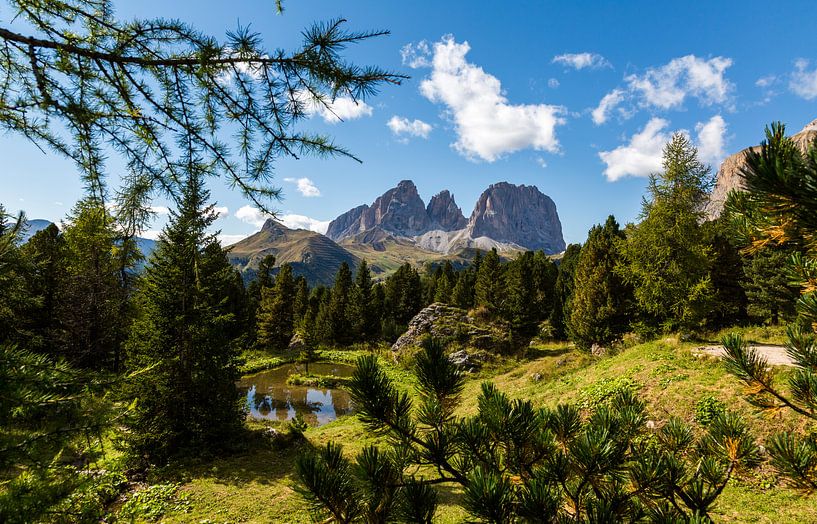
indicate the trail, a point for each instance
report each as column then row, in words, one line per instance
column 774, row 355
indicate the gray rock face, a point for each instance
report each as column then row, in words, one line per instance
column 729, row 175
column 519, row 215
column 444, row 213
column 399, row 210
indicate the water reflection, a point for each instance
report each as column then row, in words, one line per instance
column 269, row 397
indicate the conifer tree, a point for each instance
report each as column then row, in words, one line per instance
column 519, row 306
column 403, row 295
column 91, row 312
column 602, row 302
column 339, row 306
column 365, row 319
column 276, row 319
column 488, row 290
column 666, row 258
column 545, row 273
column 301, row 303
column 563, row 290
column 769, row 289
column 180, row 338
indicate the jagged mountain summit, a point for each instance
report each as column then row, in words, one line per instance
column 506, row 216
column 729, row 174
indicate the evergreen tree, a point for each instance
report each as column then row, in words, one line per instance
column 323, row 316
column 768, row 285
column 365, row 319
column 602, row 302
column 16, row 302
column 727, row 275
column 276, row 319
column 519, row 306
column 180, row 340
column 403, row 295
column 339, row 307
column 301, row 303
column 91, row 312
column 488, row 292
column 563, row 290
column 666, row 258
column 462, row 295
column 47, row 254
column 264, row 279
column 545, row 273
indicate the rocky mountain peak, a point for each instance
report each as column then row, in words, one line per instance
column 444, row 212
column 517, row 214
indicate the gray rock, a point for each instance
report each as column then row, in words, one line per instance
column 597, row 350
column 444, row 213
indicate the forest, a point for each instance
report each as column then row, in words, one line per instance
column 118, row 373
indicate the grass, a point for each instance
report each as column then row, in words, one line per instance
column 260, row 486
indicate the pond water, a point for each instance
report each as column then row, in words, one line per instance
column 269, row 397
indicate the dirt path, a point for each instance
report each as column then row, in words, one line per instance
column 774, row 355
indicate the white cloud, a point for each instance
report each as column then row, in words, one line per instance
column 403, row 126
column 416, row 55
column 606, row 106
column 804, row 82
column 160, row 210
column 221, row 211
column 304, row 222
column 340, row 109
column 256, row 217
column 643, row 154
column 553, row 83
column 252, row 215
column 580, row 61
column 487, row 126
column 228, row 240
column 710, row 143
column 670, row 85
column 152, row 234
column 766, row 81
column 306, row 187
column 541, row 161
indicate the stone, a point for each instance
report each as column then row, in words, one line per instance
column 729, row 175
column 444, row 213
column 536, row 377
column 597, row 350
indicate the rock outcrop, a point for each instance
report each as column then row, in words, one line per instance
column 520, row 215
column 453, row 324
column 444, row 213
column 729, row 175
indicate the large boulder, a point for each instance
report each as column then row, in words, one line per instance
column 455, row 325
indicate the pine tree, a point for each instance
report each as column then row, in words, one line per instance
column 365, row 319
column 768, row 285
column 602, row 303
column 91, row 310
column 47, row 254
column 403, row 295
column 179, row 339
column 666, row 258
column 545, row 273
column 276, row 319
column 488, row 292
column 339, row 306
column 519, row 307
column 301, row 303
column 563, row 292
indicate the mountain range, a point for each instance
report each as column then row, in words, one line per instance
column 399, row 227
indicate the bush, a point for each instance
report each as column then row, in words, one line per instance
column 708, row 409
column 600, row 393
column 154, row 501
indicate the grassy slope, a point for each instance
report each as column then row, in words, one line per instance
column 259, row 486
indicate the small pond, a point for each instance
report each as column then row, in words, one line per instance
column 269, row 397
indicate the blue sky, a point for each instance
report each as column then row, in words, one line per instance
column 576, row 98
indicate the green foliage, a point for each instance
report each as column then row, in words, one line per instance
column 708, row 409
column 276, row 315
column 181, row 339
column 666, row 258
column 563, row 290
column 155, row 501
column 605, row 390
column 769, row 287
column 601, row 305
column 517, row 463
column 488, row 289
column 161, row 96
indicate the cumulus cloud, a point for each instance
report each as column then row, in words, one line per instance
column 711, row 138
column 581, row 61
column 229, row 240
column 803, row 81
column 256, row 217
column 541, row 161
column 341, row 109
column 670, row 85
column 643, row 154
column 221, row 211
column 305, row 186
column 766, row 81
column 151, row 234
column 487, row 125
column 403, row 127
column 606, row 106
column 252, row 215
column 304, row 222
column 160, row 210
column 416, row 55
column 553, row 83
